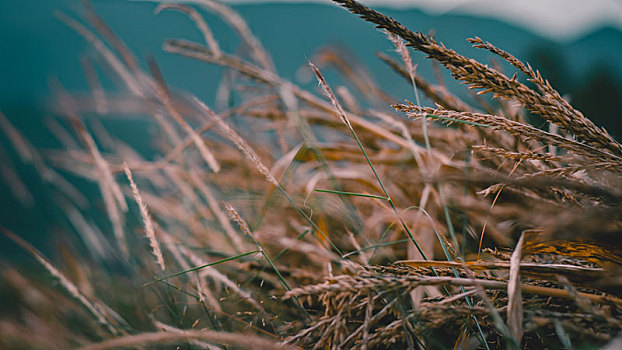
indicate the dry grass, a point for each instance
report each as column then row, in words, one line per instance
column 387, row 233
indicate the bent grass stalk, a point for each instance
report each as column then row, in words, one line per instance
column 67, row 285
column 341, row 113
column 344, row 118
column 233, row 214
column 252, row 156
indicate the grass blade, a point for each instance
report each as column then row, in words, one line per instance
column 201, row 267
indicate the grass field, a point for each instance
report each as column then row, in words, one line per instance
column 337, row 218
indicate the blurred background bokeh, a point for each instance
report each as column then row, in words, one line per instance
column 577, row 45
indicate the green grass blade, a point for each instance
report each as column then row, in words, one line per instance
column 201, row 267
column 284, row 251
column 352, row 194
column 382, row 237
column 315, row 226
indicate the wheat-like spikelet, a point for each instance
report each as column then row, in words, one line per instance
column 525, row 131
column 144, row 213
column 239, row 142
column 482, row 77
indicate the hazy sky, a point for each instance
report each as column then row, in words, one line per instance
column 557, row 19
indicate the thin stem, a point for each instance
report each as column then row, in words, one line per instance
column 201, row 267
column 352, row 194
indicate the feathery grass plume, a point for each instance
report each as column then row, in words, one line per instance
column 239, row 142
column 571, row 124
column 531, row 155
column 17, row 187
column 122, row 71
column 242, row 29
column 347, row 64
column 175, row 337
column 164, row 96
column 199, row 52
column 131, row 75
column 99, row 95
column 28, row 154
column 518, row 129
column 59, row 131
column 101, row 164
column 342, row 114
column 367, row 282
column 113, row 40
column 482, row 77
column 205, row 295
column 436, row 93
column 198, row 20
column 204, row 189
column 22, row 147
column 331, row 96
column 238, row 24
column 91, row 235
column 410, row 69
column 64, row 282
column 401, row 48
column 233, row 214
column 111, row 193
column 144, row 213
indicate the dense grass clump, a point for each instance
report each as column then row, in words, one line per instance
column 328, row 219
